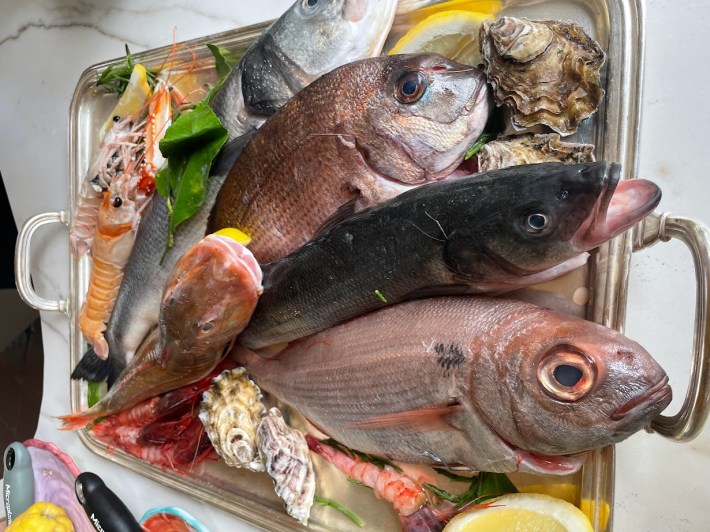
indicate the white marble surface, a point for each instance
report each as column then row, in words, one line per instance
column 44, row 47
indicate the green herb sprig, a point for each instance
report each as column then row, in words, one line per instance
column 345, row 511
column 115, row 78
column 484, row 486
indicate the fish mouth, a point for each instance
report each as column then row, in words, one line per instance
column 530, row 462
column 657, row 397
column 619, row 207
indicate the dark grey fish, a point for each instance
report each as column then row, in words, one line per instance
column 486, row 233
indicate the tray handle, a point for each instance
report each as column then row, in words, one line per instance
column 23, row 267
column 688, row 422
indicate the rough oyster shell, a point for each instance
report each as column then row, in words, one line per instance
column 529, row 149
column 288, row 463
column 547, row 71
column 231, row 411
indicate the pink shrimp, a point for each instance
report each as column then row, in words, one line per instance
column 406, row 495
column 113, row 242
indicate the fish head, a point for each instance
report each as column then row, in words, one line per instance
column 424, row 116
column 565, row 386
column 310, row 39
column 210, row 294
column 532, row 218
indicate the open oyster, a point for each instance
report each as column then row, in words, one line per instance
column 529, row 149
column 231, row 411
column 547, row 71
column 288, row 463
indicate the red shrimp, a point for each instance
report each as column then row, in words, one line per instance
column 113, row 242
column 406, row 495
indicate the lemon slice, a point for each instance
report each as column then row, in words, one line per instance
column 235, row 234
column 133, row 98
column 522, row 512
column 453, row 34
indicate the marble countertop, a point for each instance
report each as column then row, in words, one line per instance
column 44, row 47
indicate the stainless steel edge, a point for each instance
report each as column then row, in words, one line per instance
column 689, row 421
column 23, row 264
column 611, row 269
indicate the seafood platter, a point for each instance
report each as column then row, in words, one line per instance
column 372, row 278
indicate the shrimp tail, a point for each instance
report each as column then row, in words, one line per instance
column 91, row 367
column 77, row 421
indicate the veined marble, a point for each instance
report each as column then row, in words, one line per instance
column 45, row 46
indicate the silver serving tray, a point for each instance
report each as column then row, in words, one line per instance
column 618, row 26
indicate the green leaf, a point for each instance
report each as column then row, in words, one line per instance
column 348, row 513
column 484, row 486
column 480, row 142
column 224, row 60
column 95, row 392
column 115, row 77
column 190, row 145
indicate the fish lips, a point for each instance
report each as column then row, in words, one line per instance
column 642, row 407
column 620, row 205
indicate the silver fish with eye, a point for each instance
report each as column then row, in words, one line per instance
column 490, row 384
column 310, row 39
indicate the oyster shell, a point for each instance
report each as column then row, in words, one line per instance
column 547, row 71
column 529, row 149
column 231, row 411
column 288, row 463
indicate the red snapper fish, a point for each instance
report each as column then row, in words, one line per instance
column 490, row 384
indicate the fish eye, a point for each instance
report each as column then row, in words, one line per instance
column 566, row 374
column 117, row 201
column 309, row 3
column 410, row 87
column 207, row 327
column 536, row 223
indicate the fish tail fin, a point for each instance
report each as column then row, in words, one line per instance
column 78, row 420
column 91, row 367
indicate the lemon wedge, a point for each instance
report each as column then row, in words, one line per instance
column 133, row 98
column 453, row 34
column 235, row 234
column 522, row 512
column 566, row 491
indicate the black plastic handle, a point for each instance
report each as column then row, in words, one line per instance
column 105, row 510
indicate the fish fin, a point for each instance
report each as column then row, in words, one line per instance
column 229, row 154
column 78, row 420
column 345, row 211
column 91, row 367
column 410, row 420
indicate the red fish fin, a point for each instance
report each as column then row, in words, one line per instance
column 77, row 421
column 431, row 418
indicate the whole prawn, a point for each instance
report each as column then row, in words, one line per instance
column 406, row 495
column 112, row 244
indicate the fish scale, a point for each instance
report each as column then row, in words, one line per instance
column 379, row 384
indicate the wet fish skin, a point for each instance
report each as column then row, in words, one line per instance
column 138, row 304
column 457, row 381
column 351, row 140
column 208, row 299
column 467, row 235
column 303, row 44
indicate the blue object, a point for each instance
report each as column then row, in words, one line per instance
column 18, row 486
column 182, row 514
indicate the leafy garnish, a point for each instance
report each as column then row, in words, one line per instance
column 480, row 142
column 484, row 486
column 190, row 145
column 348, row 513
column 364, row 457
column 115, row 77
column 224, row 62
column 451, row 475
column 95, row 392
